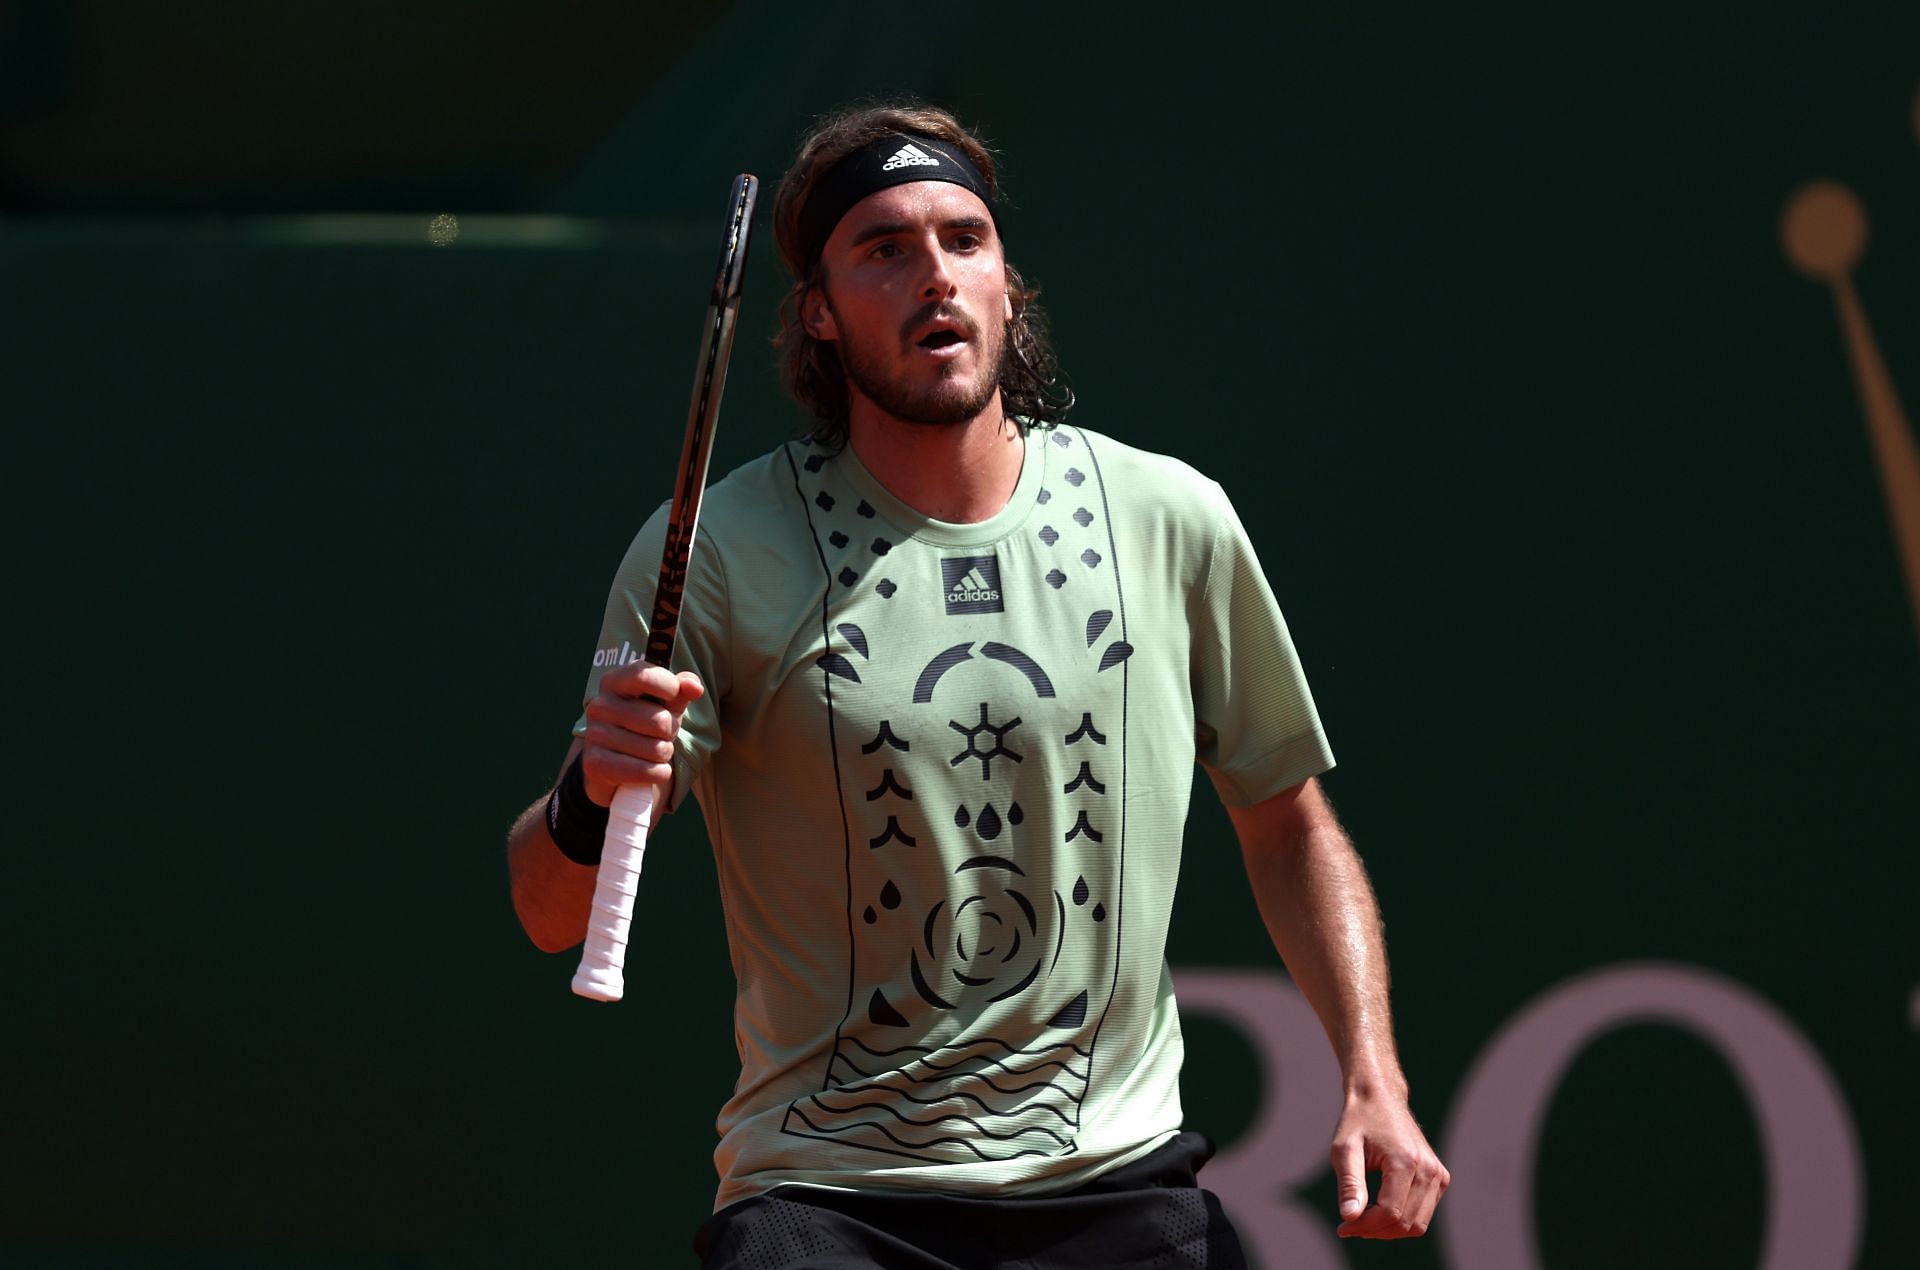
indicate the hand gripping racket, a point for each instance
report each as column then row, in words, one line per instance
column 611, row 920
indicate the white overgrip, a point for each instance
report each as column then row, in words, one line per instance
column 611, row 919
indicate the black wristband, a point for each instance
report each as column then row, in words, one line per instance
column 577, row 824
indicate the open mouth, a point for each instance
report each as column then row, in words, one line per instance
column 941, row 339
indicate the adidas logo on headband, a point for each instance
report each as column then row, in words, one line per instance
column 907, row 156
column 893, row 159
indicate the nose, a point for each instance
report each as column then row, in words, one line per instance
column 939, row 283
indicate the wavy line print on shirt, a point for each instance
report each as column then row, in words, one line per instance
column 1008, row 1100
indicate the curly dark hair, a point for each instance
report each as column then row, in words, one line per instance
column 1030, row 386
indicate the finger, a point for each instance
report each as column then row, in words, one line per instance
column 606, row 770
column 614, row 733
column 1403, row 1205
column 1372, row 1223
column 1419, row 1207
column 1436, row 1187
column 1385, row 1218
column 1395, row 1193
column 1350, row 1173
column 691, row 689
column 642, row 716
column 609, row 741
column 1375, row 1223
column 1420, row 1202
column 642, row 679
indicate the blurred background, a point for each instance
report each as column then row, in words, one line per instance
column 341, row 349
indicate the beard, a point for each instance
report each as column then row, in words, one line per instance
column 948, row 399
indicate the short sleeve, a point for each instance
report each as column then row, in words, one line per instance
column 1256, row 730
column 700, row 646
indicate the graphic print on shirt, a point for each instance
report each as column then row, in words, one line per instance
column 982, row 782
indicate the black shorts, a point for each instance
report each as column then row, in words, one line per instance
column 1147, row 1215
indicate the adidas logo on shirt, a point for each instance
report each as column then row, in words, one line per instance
column 908, row 156
column 972, row 584
column 973, row 589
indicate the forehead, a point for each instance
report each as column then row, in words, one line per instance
column 917, row 204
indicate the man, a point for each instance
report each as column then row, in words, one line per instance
column 948, row 664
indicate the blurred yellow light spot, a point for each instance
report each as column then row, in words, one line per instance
column 443, row 229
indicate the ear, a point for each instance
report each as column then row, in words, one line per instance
column 1009, row 299
column 817, row 315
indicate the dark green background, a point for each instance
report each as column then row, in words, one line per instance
column 1554, row 461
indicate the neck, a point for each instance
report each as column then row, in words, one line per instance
column 961, row 473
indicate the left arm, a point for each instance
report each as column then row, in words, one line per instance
column 1319, row 910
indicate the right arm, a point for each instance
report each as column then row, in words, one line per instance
column 631, row 725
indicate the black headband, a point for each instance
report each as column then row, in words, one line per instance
column 891, row 160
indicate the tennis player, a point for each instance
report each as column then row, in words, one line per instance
column 944, row 669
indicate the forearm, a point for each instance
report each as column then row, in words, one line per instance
column 1320, row 912
column 1319, row 909
column 551, row 894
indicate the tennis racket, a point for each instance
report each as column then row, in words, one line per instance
column 611, row 920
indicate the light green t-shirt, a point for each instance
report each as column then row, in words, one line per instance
column 945, row 770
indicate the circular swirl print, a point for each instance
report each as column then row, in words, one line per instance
column 986, row 938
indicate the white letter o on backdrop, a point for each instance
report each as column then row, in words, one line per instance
column 1815, row 1203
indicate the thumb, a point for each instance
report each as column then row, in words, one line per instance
column 1350, row 1172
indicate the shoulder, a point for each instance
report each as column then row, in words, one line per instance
column 1159, row 489
column 1166, row 516
column 761, row 486
column 758, row 503
column 749, row 507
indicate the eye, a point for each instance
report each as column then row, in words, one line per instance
column 885, row 250
column 968, row 241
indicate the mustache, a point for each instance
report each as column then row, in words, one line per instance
column 935, row 310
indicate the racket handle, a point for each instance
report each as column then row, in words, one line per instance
column 608, row 925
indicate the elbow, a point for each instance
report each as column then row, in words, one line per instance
column 551, row 932
column 547, row 935
column 550, row 940
column 552, row 908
